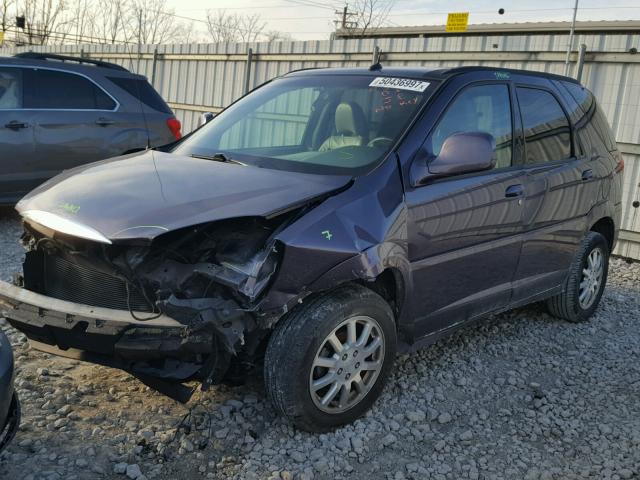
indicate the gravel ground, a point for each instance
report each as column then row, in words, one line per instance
column 519, row 396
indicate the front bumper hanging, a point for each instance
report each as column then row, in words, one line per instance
column 160, row 347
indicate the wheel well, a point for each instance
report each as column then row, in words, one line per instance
column 388, row 285
column 605, row 227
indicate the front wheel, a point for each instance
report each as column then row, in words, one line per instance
column 586, row 281
column 327, row 362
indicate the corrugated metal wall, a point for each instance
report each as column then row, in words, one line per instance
column 208, row 77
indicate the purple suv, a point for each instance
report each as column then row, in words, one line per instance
column 319, row 225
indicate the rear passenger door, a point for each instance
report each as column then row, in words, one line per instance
column 557, row 185
column 73, row 118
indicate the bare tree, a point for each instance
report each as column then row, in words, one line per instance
column 151, row 22
column 82, row 15
column 226, row 27
column 222, row 27
column 106, row 21
column 251, row 27
column 45, row 21
column 277, row 36
column 368, row 14
column 5, row 5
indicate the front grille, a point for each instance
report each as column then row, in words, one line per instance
column 69, row 281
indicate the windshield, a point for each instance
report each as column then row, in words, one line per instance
column 326, row 124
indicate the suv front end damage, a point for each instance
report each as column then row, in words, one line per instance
column 174, row 310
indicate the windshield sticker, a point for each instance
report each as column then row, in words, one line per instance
column 327, row 234
column 399, row 83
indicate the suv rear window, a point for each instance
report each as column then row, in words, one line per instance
column 52, row 89
column 141, row 90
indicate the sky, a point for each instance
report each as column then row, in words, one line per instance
column 314, row 19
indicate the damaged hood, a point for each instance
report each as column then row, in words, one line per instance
column 145, row 195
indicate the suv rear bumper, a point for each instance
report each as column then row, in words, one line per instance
column 160, row 347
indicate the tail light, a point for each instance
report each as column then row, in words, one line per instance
column 175, row 126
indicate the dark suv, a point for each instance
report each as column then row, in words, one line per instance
column 319, row 225
column 59, row 112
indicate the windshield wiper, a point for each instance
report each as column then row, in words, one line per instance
column 217, row 157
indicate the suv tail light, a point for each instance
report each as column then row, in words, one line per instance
column 175, row 126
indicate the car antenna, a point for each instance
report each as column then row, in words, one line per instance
column 375, row 60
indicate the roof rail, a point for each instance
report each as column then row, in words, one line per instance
column 515, row 71
column 65, row 58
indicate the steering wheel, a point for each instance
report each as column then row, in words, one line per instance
column 380, row 142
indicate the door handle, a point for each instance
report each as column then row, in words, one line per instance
column 15, row 125
column 103, row 122
column 587, row 174
column 514, row 191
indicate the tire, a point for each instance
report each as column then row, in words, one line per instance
column 568, row 305
column 301, row 341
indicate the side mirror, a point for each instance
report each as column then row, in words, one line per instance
column 205, row 118
column 460, row 153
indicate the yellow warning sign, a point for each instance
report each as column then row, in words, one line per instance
column 457, row 22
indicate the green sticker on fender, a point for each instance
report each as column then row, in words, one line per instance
column 69, row 207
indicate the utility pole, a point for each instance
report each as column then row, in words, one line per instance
column 345, row 15
column 570, row 42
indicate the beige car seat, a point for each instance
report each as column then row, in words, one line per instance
column 349, row 121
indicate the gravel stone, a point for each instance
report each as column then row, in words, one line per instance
column 133, row 471
column 444, row 418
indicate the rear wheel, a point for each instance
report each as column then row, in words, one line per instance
column 327, row 362
column 586, row 281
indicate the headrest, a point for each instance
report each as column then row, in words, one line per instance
column 345, row 120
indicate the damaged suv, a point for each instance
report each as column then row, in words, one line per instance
column 319, row 225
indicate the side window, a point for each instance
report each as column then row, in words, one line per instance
column 64, row 91
column 483, row 108
column 10, row 88
column 547, row 133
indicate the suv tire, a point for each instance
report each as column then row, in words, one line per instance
column 585, row 282
column 328, row 360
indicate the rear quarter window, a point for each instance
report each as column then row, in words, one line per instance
column 590, row 106
column 143, row 91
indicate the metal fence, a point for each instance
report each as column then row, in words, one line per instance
column 196, row 78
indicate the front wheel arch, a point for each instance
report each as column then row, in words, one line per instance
column 293, row 346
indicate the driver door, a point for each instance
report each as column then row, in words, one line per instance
column 464, row 230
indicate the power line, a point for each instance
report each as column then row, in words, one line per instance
column 311, row 3
column 57, row 35
column 478, row 12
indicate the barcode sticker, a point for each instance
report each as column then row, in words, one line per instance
column 399, row 83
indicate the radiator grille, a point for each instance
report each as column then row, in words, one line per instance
column 69, row 281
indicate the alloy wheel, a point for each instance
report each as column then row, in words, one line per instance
column 347, row 364
column 591, row 280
